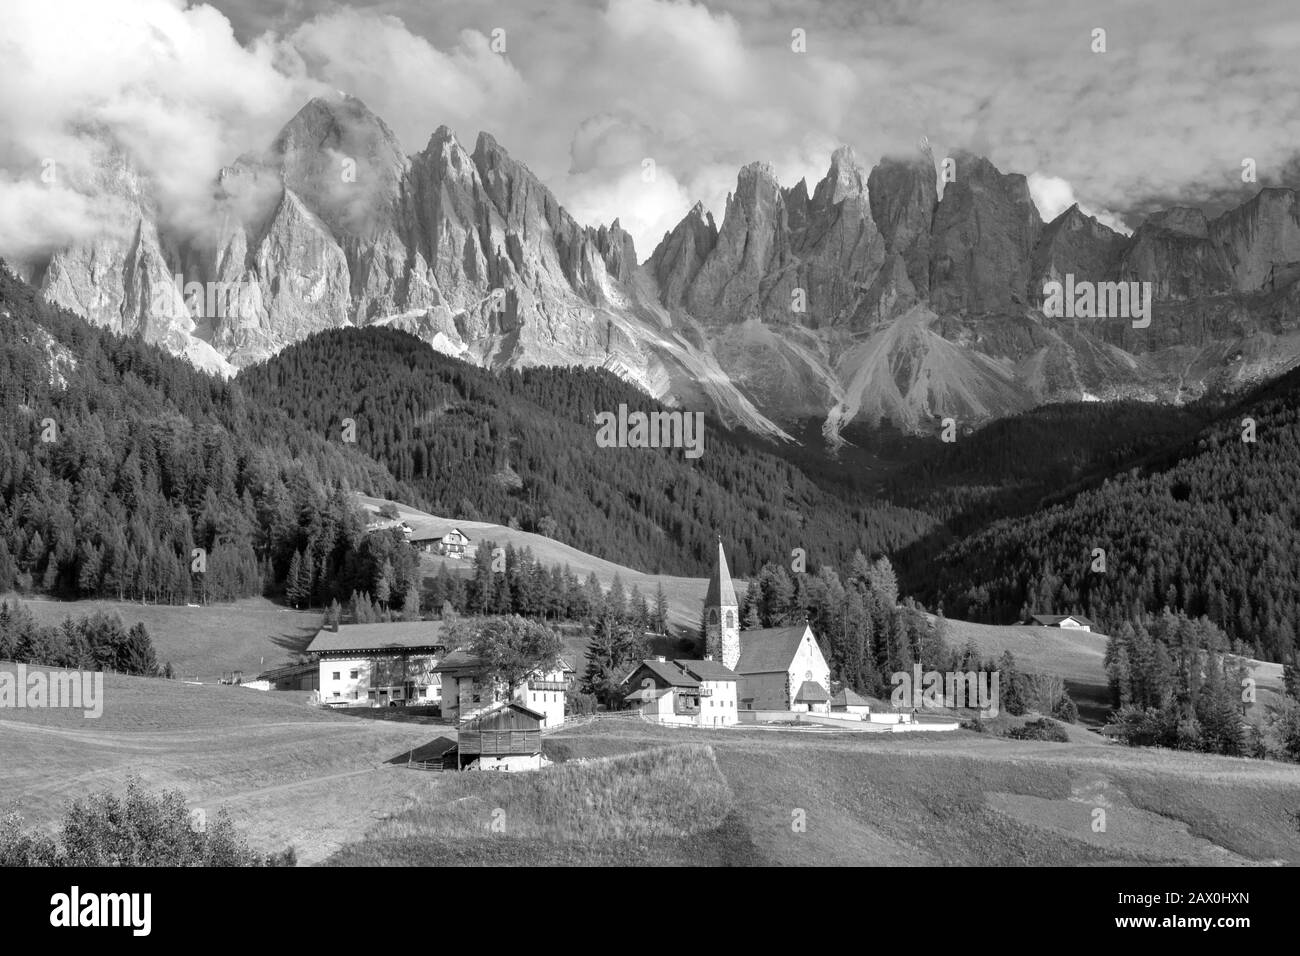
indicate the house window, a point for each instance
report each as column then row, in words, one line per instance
column 336, row 675
column 352, row 675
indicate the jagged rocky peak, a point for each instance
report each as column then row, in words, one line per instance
column 903, row 193
column 680, row 254
column 344, row 161
column 846, row 178
column 1078, row 244
column 617, row 251
column 984, row 233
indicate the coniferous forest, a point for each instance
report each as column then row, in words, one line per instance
column 125, row 473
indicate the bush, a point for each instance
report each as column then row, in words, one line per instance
column 974, row 723
column 1065, row 710
column 1044, row 729
column 139, row 829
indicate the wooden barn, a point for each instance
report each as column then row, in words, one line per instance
column 507, row 737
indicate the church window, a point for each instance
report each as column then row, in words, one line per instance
column 713, row 615
column 731, row 619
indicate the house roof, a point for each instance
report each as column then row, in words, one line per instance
column 459, row 660
column 769, row 650
column 849, row 698
column 396, row 635
column 811, row 690
column 1049, row 620
column 720, row 593
column 667, row 671
column 708, row 670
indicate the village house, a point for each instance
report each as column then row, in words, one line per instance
column 1073, row 622
column 452, row 543
column 780, row 668
column 702, row 693
column 467, row 692
column 379, row 665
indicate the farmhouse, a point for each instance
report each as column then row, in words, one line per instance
column 505, row 737
column 452, row 543
column 780, row 668
column 379, row 664
column 848, row 701
column 1073, row 622
column 467, row 691
column 703, row 693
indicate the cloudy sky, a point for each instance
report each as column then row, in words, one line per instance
column 585, row 90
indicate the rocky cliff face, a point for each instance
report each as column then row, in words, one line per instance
column 984, row 233
column 865, row 297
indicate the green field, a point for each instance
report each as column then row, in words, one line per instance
column 289, row 773
column 334, row 787
column 203, row 643
column 896, row 800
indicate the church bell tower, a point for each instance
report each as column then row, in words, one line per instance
column 722, row 616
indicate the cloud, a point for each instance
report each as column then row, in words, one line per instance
column 584, row 92
column 1053, row 195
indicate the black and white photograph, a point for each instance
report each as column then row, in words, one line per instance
column 501, row 435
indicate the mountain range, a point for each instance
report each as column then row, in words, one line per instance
column 866, row 298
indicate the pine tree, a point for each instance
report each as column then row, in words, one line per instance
column 660, row 612
column 293, row 590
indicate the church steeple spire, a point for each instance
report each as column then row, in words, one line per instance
column 722, row 615
column 721, row 591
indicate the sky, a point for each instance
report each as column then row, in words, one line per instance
column 586, row 91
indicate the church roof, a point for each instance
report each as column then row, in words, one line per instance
column 769, row 650
column 811, row 690
column 721, row 593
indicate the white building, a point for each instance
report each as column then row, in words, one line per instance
column 379, row 664
column 779, row 668
column 1072, row 622
column 466, row 691
column 700, row 693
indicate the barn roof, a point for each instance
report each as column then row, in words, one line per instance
column 720, row 593
column 810, row 690
column 494, row 712
column 708, row 670
column 396, row 635
column 849, row 698
column 769, row 650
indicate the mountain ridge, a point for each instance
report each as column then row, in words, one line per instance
column 870, row 298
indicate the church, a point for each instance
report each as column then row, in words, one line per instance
column 780, row 668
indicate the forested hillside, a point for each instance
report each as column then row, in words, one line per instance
column 1213, row 529
column 522, row 446
column 117, row 460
